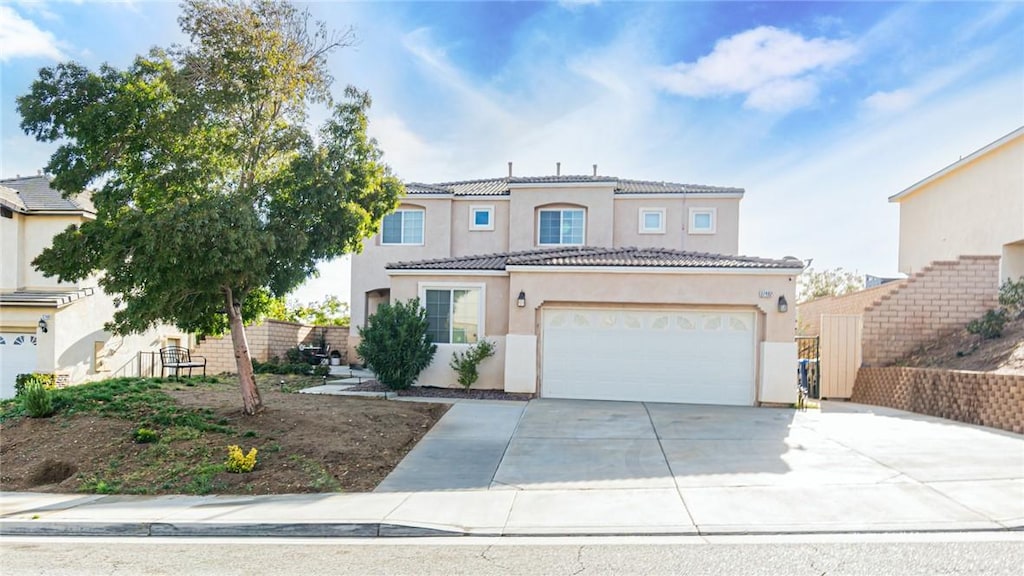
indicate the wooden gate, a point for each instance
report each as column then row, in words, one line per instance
column 840, row 354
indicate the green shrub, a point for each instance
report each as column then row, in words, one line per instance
column 49, row 381
column 38, row 400
column 395, row 343
column 1011, row 297
column 294, row 355
column 466, row 363
column 145, row 436
column 990, row 325
column 300, row 368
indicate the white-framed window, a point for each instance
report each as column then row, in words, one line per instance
column 566, row 226
column 403, row 227
column 703, row 220
column 455, row 312
column 481, row 217
column 652, row 220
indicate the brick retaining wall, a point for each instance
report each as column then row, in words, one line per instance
column 985, row 398
column 271, row 339
column 941, row 298
column 809, row 313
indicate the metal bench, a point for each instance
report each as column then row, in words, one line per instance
column 179, row 358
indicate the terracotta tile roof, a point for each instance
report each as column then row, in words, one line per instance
column 36, row 195
column 598, row 257
column 501, row 186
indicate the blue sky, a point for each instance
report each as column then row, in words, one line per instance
column 821, row 111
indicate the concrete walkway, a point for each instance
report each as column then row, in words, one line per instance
column 582, row 468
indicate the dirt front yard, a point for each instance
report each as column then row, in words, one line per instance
column 305, row 443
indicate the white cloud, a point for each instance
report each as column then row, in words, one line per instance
column 21, row 38
column 776, row 69
column 907, row 97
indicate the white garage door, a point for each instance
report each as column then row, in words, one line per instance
column 17, row 356
column 688, row 356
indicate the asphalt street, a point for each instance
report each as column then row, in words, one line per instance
column 992, row 554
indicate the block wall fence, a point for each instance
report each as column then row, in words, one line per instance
column 901, row 316
column 984, row 398
column 268, row 340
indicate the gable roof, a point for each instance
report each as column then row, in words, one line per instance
column 1016, row 134
column 34, row 194
column 502, row 186
column 587, row 256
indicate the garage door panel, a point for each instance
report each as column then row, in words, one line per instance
column 649, row 355
column 17, row 356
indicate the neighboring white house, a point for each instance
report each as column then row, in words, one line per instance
column 51, row 326
column 591, row 287
column 973, row 207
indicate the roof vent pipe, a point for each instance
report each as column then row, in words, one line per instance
column 558, row 168
column 509, row 169
column 595, row 170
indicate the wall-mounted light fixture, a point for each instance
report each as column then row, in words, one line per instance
column 521, row 300
column 43, row 326
column 783, row 305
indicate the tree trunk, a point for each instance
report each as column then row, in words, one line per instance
column 251, row 401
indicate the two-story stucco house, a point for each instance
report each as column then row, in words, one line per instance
column 974, row 206
column 591, row 287
column 47, row 325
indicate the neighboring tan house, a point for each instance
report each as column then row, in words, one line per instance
column 591, row 287
column 73, row 344
column 961, row 234
column 973, row 207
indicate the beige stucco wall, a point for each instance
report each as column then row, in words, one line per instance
column 37, row 234
column 496, row 301
column 515, row 330
column 68, row 346
column 368, row 267
column 524, row 202
column 720, row 289
column 725, row 240
column 974, row 210
column 10, row 251
column 466, row 241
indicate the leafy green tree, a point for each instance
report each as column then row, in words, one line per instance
column 813, row 284
column 395, row 343
column 330, row 311
column 209, row 187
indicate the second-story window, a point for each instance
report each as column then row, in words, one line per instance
column 652, row 220
column 702, row 220
column 403, row 227
column 481, row 217
column 564, row 226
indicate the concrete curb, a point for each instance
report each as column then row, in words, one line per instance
column 389, row 530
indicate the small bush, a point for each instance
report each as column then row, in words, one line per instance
column 239, row 463
column 300, row 368
column 466, row 363
column 294, row 355
column 38, row 400
column 145, row 436
column 1011, row 297
column 49, row 381
column 990, row 325
column 395, row 343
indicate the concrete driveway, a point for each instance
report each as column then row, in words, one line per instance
column 718, row 465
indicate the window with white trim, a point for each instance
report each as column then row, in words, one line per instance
column 402, row 227
column 481, row 217
column 564, row 226
column 702, row 220
column 454, row 315
column 652, row 220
